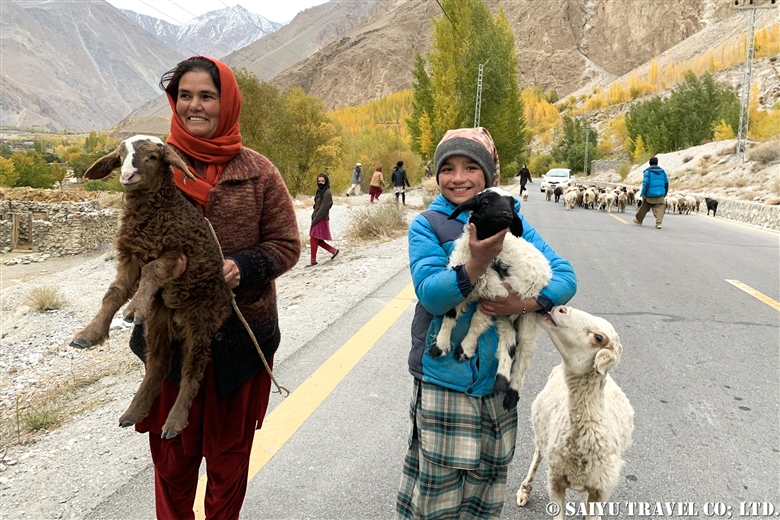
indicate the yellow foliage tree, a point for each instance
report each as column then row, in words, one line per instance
column 8, row 175
column 427, row 146
column 723, row 131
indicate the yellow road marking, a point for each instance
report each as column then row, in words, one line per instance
column 741, row 224
column 618, row 218
column 755, row 294
column 293, row 411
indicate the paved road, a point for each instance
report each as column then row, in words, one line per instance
column 701, row 366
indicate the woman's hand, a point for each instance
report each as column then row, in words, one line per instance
column 482, row 252
column 508, row 306
column 232, row 274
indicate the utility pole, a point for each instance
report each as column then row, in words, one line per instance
column 478, row 106
column 587, row 133
column 747, row 76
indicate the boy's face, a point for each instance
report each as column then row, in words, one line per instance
column 460, row 178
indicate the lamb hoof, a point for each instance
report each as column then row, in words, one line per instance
column 128, row 318
column 80, row 343
column 125, row 423
column 138, row 320
column 511, row 398
column 435, row 352
column 523, row 495
column 460, row 355
column 169, row 434
column 501, row 386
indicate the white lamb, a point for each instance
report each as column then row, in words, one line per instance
column 520, row 266
column 582, row 421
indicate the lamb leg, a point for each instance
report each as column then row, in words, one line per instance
column 122, row 288
column 154, row 275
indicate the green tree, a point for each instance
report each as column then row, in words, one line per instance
column 59, row 173
column 468, row 37
column 6, row 151
column 419, row 121
column 8, row 175
column 569, row 145
column 32, row 170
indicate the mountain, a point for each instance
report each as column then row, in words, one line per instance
column 75, row 65
column 562, row 46
column 215, row 33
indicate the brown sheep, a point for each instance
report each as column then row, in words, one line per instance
column 158, row 226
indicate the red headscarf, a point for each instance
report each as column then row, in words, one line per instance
column 216, row 151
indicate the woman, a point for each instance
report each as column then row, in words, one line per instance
column 245, row 199
column 320, row 220
column 461, row 439
column 377, row 183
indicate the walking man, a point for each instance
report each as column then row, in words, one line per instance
column 655, row 186
column 357, row 176
column 525, row 177
column 400, row 181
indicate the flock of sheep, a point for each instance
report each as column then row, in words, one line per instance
column 604, row 199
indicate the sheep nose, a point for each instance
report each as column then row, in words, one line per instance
column 562, row 309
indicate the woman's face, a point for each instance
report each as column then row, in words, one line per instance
column 197, row 104
column 460, row 178
column 321, row 181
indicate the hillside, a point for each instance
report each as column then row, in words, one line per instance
column 75, row 65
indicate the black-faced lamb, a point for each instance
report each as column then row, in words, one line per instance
column 520, row 266
column 158, row 226
column 712, row 205
column 582, row 420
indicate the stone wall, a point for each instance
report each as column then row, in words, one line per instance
column 602, row 165
column 60, row 228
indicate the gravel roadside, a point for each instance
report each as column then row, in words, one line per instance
column 66, row 472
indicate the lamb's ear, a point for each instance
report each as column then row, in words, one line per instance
column 516, row 227
column 469, row 205
column 103, row 166
column 605, row 360
column 171, row 157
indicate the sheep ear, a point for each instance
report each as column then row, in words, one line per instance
column 516, row 227
column 605, row 360
column 103, row 166
column 172, row 158
column 469, row 205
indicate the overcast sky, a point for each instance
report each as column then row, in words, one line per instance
column 181, row 11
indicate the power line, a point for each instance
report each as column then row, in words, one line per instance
column 448, row 18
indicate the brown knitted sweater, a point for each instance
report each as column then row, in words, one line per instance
column 253, row 216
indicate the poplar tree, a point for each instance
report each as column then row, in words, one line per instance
column 469, row 36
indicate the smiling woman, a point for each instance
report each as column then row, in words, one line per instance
column 197, row 104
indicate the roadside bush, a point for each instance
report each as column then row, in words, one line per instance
column 623, row 169
column 45, row 299
column 766, row 153
column 384, row 221
column 430, row 187
column 95, row 185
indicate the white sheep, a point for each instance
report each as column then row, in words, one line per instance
column 520, row 266
column 582, row 420
column 570, row 199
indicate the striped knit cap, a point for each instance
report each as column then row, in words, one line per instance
column 474, row 143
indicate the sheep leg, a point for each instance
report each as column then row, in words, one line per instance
column 527, row 335
column 197, row 353
column 118, row 292
column 468, row 347
column 524, row 493
column 591, row 496
column 507, row 347
column 154, row 275
column 556, row 489
column 443, row 339
column 158, row 363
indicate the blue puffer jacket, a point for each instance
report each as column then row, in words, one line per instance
column 440, row 289
column 655, row 182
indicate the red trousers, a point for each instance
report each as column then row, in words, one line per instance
column 221, row 429
column 317, row 242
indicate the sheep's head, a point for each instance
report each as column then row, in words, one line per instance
column 492, row 210
column 144, row 160
column 585, row 342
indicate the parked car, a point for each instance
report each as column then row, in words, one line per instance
column 557, row 177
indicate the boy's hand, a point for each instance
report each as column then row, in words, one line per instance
column 482, row 252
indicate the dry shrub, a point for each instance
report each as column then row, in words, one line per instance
column 307, row 200
column 381, row 221
column 45, row 299
column 108, row 199
column 430, row 186
column 624, row 169
column 766, row 153
column 772, row 201
column 687, row 158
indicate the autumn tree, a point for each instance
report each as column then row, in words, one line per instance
column 468, row 37
column 8, row 175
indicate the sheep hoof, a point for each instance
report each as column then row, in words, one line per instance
column 126, row 423
column 501, row 386
column 523, row 495
column 138, row 320
column 129, row 318
column 511, row 399
column 169, row 434
column 80, row 343
column 435, row 352
column 460, row 355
